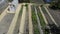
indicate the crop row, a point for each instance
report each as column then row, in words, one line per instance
column 35, row 24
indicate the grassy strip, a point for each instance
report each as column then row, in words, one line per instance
column 43, row 9
column 46, row 30
column 26, row 6
column 35, row 24
column 41, row 19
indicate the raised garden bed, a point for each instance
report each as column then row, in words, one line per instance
column 16, row 30
column 35, row 24
column 41, row 18
column 46, row 30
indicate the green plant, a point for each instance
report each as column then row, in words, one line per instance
column 26, row 5
column 35, row 24
column 41, row 19
column 46, row 30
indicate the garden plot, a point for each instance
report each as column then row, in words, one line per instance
column 16, row 30
column 5, row 23
column 34, row 21
column 40, row 17
column 26, row 30
column 36, row 26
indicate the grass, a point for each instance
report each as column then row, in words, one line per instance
column 41, row 19
column 43, row 9
column 43, row 24
column 35, row 24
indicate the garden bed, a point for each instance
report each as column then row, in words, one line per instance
column 35, row 24
column 46, row 30
column 41, row 18
column 16, row 30
column 26, row 28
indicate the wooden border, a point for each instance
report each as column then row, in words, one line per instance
column 14, row 21
column 3, row 14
